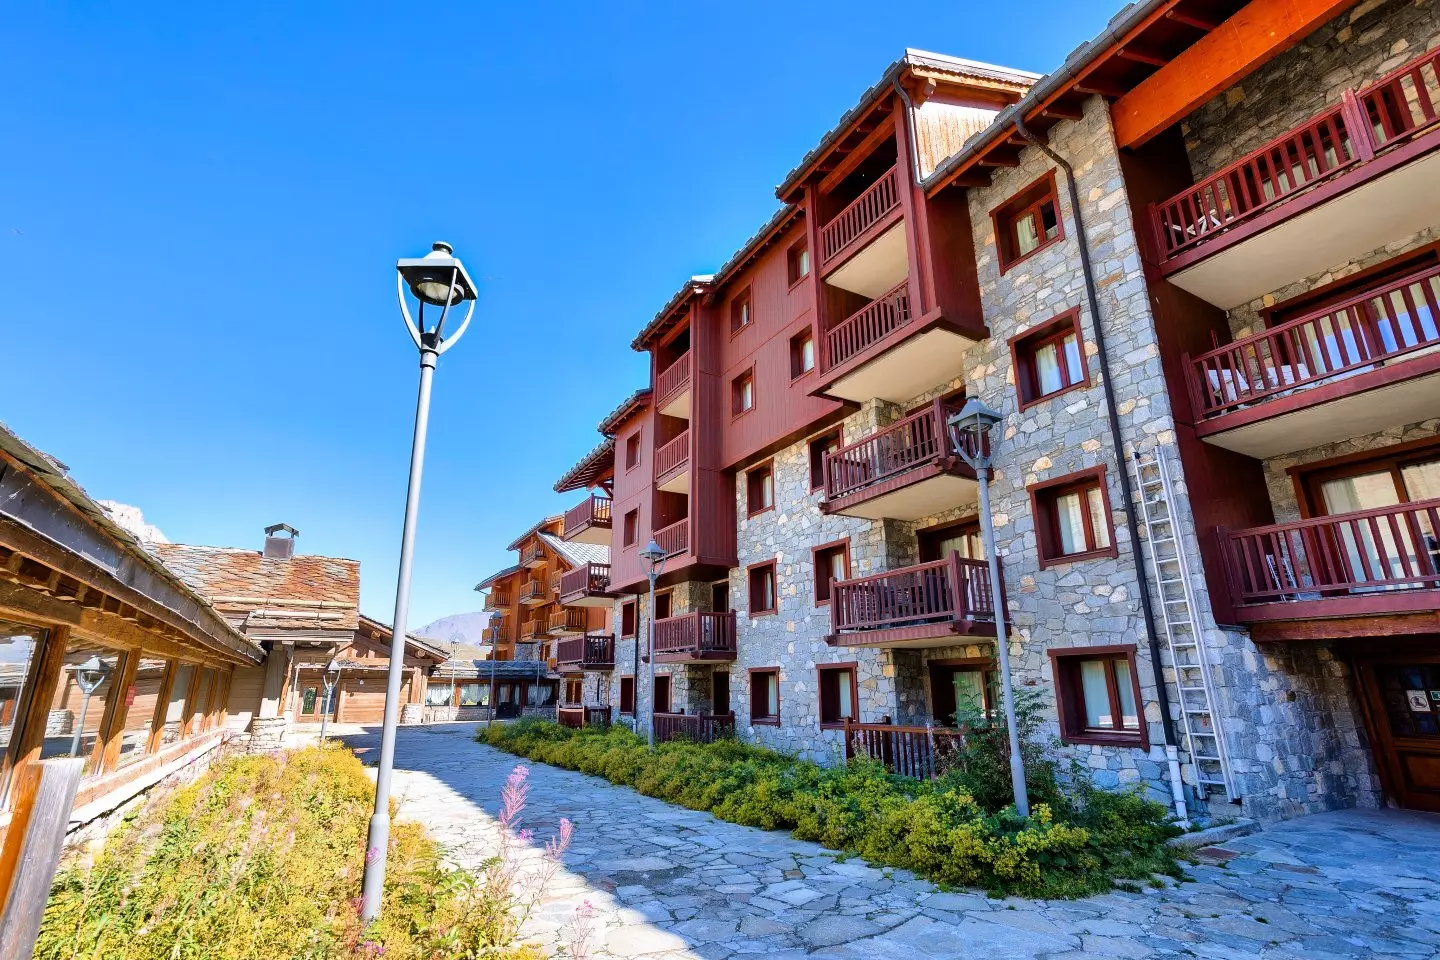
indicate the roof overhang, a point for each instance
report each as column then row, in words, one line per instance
column 633, row 404
column 675, row 310
column 591, row 470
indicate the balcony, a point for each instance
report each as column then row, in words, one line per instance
column 493, row 635
column 672, row 463
column 585, row 653
column 908, row 470
column 699, row 727
column 536, row 629
column 862, row 248
column 568, row 621
column 919, row 606
column 695, row 637
column 579, row 717
column 1361, row 564
column 672, row 388
column 1349, row 180
column 497, row 600
column 589, row 521
column 1343, row 371
column 532, row 555
column 586, row 586
column 674, row 538
column 533, row 592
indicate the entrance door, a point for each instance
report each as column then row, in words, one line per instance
column 720, row 693
column 661, row 693
column 962, row 688
column 1402, row 700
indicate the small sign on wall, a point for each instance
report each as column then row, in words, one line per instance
column 1419, row 700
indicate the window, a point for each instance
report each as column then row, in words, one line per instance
column 963, row 538
column 1027, row 222
column 832, row 562
column 632, row 526
column 762, row 588
column 839, row 694
column 802, row 353
column 627, row 618
column 760, row 489
column 662, row 693
column 720, row 693
column 765, row 696
column 662, row 605
column 797, row 261
column 740, row 316
column 627, row 695
column 720, row 596
column 632, row 451
column 574, row 688
column 474, row 694
column 962, row 690
column 1097, row 692
column 742, row 393
column 1050, row 359
column 819, row 448
column 1072, row 517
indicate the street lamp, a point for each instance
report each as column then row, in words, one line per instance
column 88, row 677
column 437, row 279
column 970, row 430
column 654, row 556
column 331, row 677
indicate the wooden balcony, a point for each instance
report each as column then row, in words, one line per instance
column 908, row 470
column 1369, row 363
column 534, row 591
column 672, row 464
column 1366, row 563
column 865, row 218
column 536, row 629
column 532, row 555
column 674, row 538
column 498, row 600
column 585, row 653
column 586, row 586
column 492, row 635
column 568, row 621
column 672, row 388
column 1349, row 180
column 917, row 606
column 578, row 717
column 917, row 752
column 695, row 637
column 699, row 727
column 589, row 521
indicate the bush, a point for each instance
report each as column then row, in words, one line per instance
column 260, row 858
column 958, row 829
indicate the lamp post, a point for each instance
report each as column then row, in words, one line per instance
column 437, row 279
column 88, row 677
column 654, row 556
column 970, row 431
column 331, row 678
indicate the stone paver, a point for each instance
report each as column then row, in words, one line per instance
column 670, row 883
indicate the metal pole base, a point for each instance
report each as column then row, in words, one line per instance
column 376, row 844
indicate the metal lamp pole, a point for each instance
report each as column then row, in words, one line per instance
column 438, row 279
column 970, row 429
column 88, row 677
column 331, row 678
column 654, row 556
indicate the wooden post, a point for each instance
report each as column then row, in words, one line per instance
column 162, row 707
column 117, row 708
column 191, row 696
column 44, row 794
column 31, row 726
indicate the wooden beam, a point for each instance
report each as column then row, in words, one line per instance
column 1061, row 111
column 1141, row 56
column 1254, row 36
column 117, row 709
column 162, row 707
column 1095, row 86
column 1191, row 20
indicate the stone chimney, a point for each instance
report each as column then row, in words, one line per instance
column 279, row 547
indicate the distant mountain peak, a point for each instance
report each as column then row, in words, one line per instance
column 462, row 628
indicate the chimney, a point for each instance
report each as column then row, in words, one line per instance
column 278, row 547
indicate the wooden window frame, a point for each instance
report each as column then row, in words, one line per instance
column 634, row 446
column 1024, row 346
column 713, row 587
column 797, row 353
column 815, row 552
column 821, row 670
column 762, row 720
column 736, row 390
column 943, row 531
column 1307, row 478
column 620, row 695
column 1047, row 526
column 754, row 479
column 1020, row 205
column 631, row 607
column 750, row 572
column 742, row 304
column 792, row 261
column 989, row 670
column 579, row 687
column 1070, row 698
column 669, row 598
column 669, row 693
column 630, row 533
column 818, row 444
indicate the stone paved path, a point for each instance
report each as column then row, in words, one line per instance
column 672, row 883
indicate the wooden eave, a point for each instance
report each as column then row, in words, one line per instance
column 855, row 135
column 594, row 469
column 638, row 402
column 670, row 315
column 773, row 229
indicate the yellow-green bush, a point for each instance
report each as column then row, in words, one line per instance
column 1079, row 843
column 259, row 859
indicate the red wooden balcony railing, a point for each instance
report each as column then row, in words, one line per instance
column 672, row 380
column 863, row 212
column 672, row 455
column 918, row 752
column 533, row 591
column 532, row 553
column 701, row 635
column 497, row 600
column 533, row 629
column 949, row 589
column 594, row 653
column 921, row 438
column 492, row 635
column 569, row 620
column 593, row 511
column 1372, row 119
column 700, row 727
column 577, row 717
column 1346, row 554
column 674, row 538
column 1400, row 318
column 868, row 325
column 585, row 580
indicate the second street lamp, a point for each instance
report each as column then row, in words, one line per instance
column 654, row 556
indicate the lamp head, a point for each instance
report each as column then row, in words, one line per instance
column 430, row 277
column 654, row 555
column 332, row 669
column 970, row 432
column 90, row 674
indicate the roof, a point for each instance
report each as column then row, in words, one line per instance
column 424, row 644
column 778, row 221
column 471, row 669
column 617, row 416
column 577, row 554
column 499, row 575
column 590, row 469
column 515, row 544
column 695, row 285
column 302, row 591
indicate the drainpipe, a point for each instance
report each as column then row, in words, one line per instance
column 909, row 131
column 1132, row 525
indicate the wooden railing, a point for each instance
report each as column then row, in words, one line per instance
column 672, row 380
column 497, row 600
column 577, row 717
column 1366, row 121
column 1399, row 318
column 921, row 438
column 1368, row 551
column 589, row 578
column 569, row 620
column 533, row 629
column 949, row 589
column 918, row 752
column 591, row 652
column 672, row 455
column 700, row 727
column 532, row 553
column 674, row 538
column 491, row 635
column 533, row 589
column 868, row 325
column 593, row 511
column 702, row 635
column 863, row 212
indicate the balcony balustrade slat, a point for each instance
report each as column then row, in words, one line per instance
column 593, row 511
column 587, row 651
column 590, row 578
column 672, row 380
column 922, row 437
column 696, row 633
column 674, row 538
column 868, row 325
column 700, row 727
column 1403, row 102
column 673, row 454
column 951, row 589
column 864, row 211
column 569, row 619
column 918, row 752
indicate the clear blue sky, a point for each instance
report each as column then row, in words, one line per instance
column 201, row 206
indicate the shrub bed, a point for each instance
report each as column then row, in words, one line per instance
column 1079, row 841
column 260, row 858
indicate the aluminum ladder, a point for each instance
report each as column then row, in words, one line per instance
column 1204, row 736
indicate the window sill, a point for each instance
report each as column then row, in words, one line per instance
column 1102, row 738
column 802, row 375
column 742, row 413
column 1046, row 398
column 797, row 282
column 1007, row 267
column 757, row 614
column 1110, row 552
column 836, row 724
column 760, row 512
column 764, row 721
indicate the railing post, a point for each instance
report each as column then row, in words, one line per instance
column 44, row 793
column 958, row 599
column 1357, row 126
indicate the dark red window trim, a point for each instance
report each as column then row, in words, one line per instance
column 737, row 302
column 792, row 262
column 1351, row 285
column 1308, row 477
column 754, row 477
column 1047, row 523
column 750, row 572
column 1070, row 699
column 815, row 565
column 1026, row 201
column 763, row 719
column 736, row 382
column 820, row 670
column 630, row 607
column 817, row 463
column 1024, row 346
column 631, row 711
column 797, row 345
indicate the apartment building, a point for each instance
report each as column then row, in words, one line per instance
column 1195, row 271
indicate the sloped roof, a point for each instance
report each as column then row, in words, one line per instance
column 629, row 406
column 498, row 575
column 425, row 645
column 470, row 669
column 237, row 580
column 577, row 554
column 515, row 544
column 695, row 285
column 590, row 469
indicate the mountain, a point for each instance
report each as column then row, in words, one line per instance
column 456, row 628
column 132, row 520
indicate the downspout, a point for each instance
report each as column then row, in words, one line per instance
column 1132, row 525
column 910, row 132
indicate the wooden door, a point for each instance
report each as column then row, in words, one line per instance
column 720, row 693
column 1401, row 694
column 662, row 693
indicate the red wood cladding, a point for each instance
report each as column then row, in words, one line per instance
column 879, row 199
column 674, row 538
column 949, row 589
column 672, row 456
column 672, row 380
column 700, row 727
column 593, row 511
column 590, row 653
column 696, row 636
column 919, row 439
column 587, row 579
column 918, row 752
column 1387, row 322
column 868, row 325
column 1342, row 555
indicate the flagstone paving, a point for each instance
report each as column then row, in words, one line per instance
column 671, row 883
